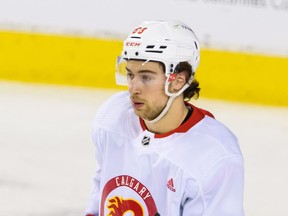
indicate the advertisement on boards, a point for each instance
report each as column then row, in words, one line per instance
column 240, row 25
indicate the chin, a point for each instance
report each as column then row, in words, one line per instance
column 138, row 113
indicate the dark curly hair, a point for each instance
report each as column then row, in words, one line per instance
column 193, row 90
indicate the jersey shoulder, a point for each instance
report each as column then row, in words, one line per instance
column 212, row 131
column 219, row 134
column 116, row 115
column 206, row 144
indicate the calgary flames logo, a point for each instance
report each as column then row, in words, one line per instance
column 113, row 204
column 119, row 207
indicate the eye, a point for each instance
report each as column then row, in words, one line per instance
column 130, row 76
column 146, row 78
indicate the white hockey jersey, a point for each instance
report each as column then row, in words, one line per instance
column 195, row 170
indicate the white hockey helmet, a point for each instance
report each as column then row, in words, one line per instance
column 169, row 42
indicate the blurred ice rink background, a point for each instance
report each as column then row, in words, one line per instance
column 47, row 156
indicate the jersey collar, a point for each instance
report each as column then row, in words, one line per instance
column 197, row 115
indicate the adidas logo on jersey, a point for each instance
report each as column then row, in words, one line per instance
column 170, row 185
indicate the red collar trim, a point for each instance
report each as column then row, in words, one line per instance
column 197, row 115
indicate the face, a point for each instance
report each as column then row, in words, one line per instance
column 146, row 81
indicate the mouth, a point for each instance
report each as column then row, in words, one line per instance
column 137, row 104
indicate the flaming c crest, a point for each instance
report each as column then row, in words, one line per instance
column 119, row 207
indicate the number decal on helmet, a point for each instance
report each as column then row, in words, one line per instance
column 139, row 30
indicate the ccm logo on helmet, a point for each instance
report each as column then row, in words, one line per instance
column 132, row 44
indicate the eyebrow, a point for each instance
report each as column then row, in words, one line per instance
column 142, row 71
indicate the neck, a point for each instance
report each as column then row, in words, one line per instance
column 172, row 120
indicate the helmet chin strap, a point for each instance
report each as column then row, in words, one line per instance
column 172, row 96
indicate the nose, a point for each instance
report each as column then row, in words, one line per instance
column 134, row 86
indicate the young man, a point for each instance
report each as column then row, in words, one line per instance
column 158, row 154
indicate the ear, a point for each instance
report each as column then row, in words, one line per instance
column 179, row 82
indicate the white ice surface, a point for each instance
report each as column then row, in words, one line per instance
column 47, row 157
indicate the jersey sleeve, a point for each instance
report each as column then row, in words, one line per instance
column 220, row 191
column 108, row 121
column 93, row 204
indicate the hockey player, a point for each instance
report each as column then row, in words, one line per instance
column 157, row 153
